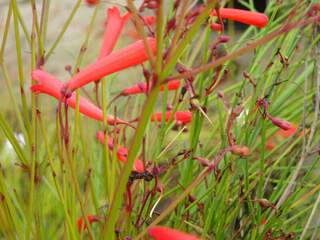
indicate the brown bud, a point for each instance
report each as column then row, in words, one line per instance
column 264, row 203
column 240, row 150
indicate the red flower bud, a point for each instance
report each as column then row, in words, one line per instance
column 92, row 2
column 283, row 124
column 181, row 117
column 122, row 152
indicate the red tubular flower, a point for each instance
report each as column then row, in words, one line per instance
column 82, row 225
column 122, row 152
column 113, row 29
column 250, row 18
column 48, row 84
column 124, row 58
column 142, row 88
column 181, row 117
column 165, row 233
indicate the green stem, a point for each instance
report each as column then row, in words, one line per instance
column 115, row 208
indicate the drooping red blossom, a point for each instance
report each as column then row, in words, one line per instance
column 247, row 17
column 129, row 56
column 114, row 26
column 165, row 233
column 50, row 85
column 181, row 117
column 92, row 2
column 281, row 123
column 81, row 225
column 142, row 88
column 122, row 152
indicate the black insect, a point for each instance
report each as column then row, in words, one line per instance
column 146, row 175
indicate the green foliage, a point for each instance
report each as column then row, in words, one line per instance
column 46, row 185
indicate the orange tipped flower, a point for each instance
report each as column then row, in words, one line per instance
column 142, row 88
column 122, row 152
column 113, row 29
column 247, row 17
column 48, row 84
column 181, row 117
column 165, row 233
column 81, row 222
column 129, row 56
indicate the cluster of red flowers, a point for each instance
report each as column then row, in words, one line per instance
column 109, row 62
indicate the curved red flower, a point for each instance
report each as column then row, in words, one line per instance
column 50, row 85
column 114, row 26
column 247, row 17
column 122, row 152
column 181, row 117
column 142, row 88
column 129, row 56
column 165, row 233
column 81, row 225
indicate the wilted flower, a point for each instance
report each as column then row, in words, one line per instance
column 240, row 150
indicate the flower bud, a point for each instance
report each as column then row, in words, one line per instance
column 92, row 2
column 240, row 150
column 283, row 124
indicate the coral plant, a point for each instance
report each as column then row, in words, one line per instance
column 190, row 127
